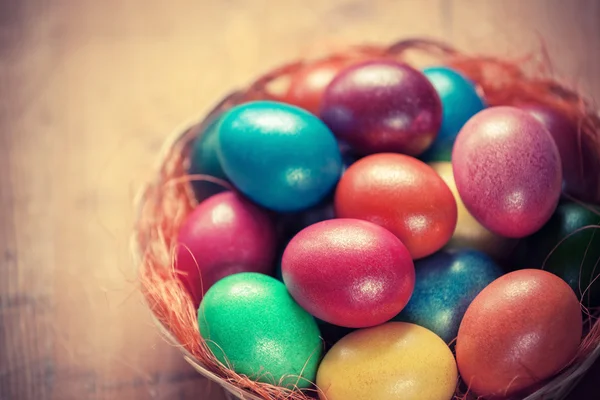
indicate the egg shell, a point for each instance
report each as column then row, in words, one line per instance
column 565, row 247
column 520, row 330
column 445, row 285
column 460, row 101
column 578, row 160
column 309, row 83
column 280, row 156
column 507, row 170
column 204, row 160
column 402, row 194
column 469, row 233
column 382, row 106
column 393, row 361
column 251, row 324
column 348, row 272
column 223, row 235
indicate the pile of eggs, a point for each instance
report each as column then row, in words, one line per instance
column 387, row 232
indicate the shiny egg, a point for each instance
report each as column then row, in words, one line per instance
column 520, row 330
column 507, row 170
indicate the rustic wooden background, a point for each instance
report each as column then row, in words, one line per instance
column 89, row 90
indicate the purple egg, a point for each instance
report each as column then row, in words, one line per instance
column 507, row 170
column 577, row 159
column 383, row 106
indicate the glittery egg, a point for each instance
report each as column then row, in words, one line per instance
column 469, row 233
column 223, row 235
column 402, row 194
column 393, row 361
column 460, row 101
column 348, row 272
column 507, row 170
column 280, row 156
column 520, row 330
column 252, row 325
column 445, row 285
column 382, row 106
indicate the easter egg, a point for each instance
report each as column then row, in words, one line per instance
column 520, row 330
column 223, row 235
column 460, row 101
column 507, row 170
column 308, row 84
column 565, row 247
column 348, row 272
column 204, row 161
column 575, row 152
column 252, row 325
column 445, row 285
column 280, row 156
column 393, row 361
column 402, row 194
column 469, row 233
column 382, row 106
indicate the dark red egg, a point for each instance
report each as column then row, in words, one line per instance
column 348, row 272
column 308, row 85
column 578, row 160
column 224, row 235
column 520, row 330
column 383, row 106
column 507, row 170
column 402, row 194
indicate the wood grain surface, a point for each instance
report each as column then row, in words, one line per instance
column 89, row 90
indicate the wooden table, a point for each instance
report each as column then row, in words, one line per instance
column 89, row 92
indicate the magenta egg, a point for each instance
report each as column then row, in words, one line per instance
column 507, row 170
column 383, row 106
column 223, row 235
column 348, row 272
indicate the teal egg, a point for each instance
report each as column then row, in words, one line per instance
column 576, row 259
column 252, row 324
column 204, row 161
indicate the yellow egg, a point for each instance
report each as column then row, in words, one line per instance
column 396, row 360
column 469, row 233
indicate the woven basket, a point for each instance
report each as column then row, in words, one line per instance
column 179, row 144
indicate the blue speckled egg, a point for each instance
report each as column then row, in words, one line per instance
column 445, row 285
column 460, row 102
column 204, row 160
column 280, row 156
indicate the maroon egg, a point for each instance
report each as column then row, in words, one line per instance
column 348, row 272
column 578, row 160
column 383, row 106
column 225, row 234
column 507, row 170
column 520, row 330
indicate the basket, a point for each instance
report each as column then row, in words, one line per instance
column 170, row 184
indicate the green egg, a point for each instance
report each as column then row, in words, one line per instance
column 253, row 325
column 576, row 258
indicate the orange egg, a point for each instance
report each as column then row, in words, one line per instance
column 396, row 360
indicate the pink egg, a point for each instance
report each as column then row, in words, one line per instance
column 224, row 235
column 507, row 170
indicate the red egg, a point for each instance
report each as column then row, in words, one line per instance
column 520, row 330
column 225, row 234
column 507, row 170
column 348, row 272
column 402, row 194
column 307, row 85
column 383, row 106
column 575, row 152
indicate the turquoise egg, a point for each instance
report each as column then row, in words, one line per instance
column 280, row 156
column 445, row 284
column 251, row 324
column 204, row 161
column 460, row 101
